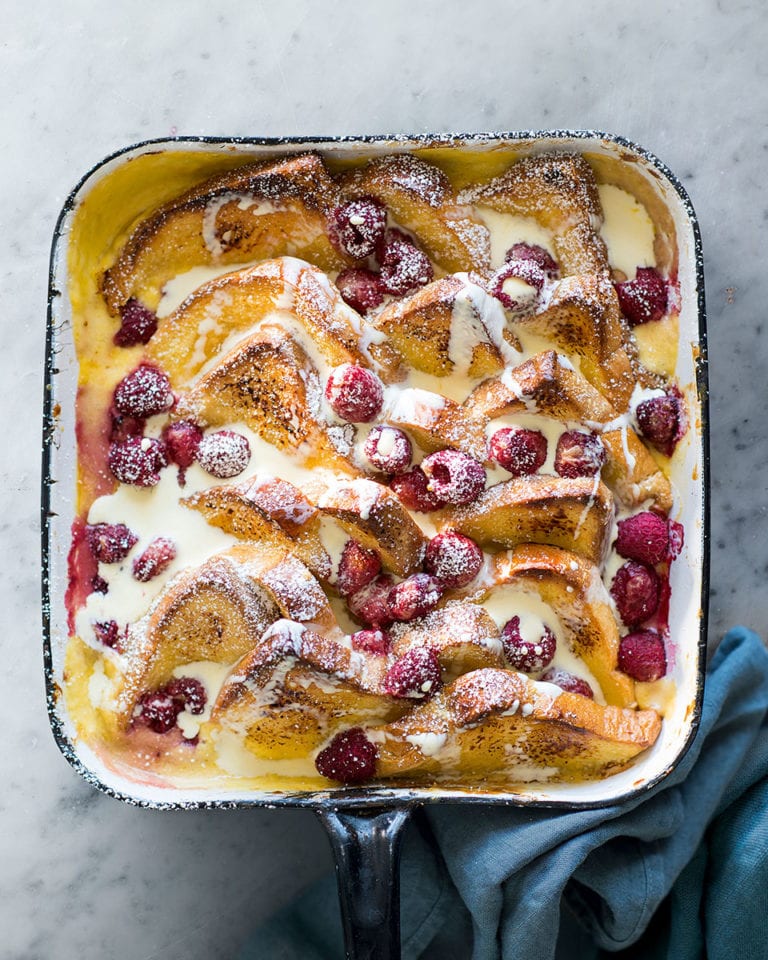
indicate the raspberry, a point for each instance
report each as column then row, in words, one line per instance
column 520, row 452
column 349, row 758
column 189, row 692
column 635, row 591
column 643, row 537
column 676, row 539
column 568, row 682
column 154, row 559
column 357, row 567
column 122, row 426
column 371, row 603
column 413, row 490
column 453, row 476
column 403, row 266
column 224, row 453
column 137, row 460
column 360, row 288
column 99, row 585
column 354, row 393
column 517, row 284
column 107, row 633
column 416, row 674
column 643, row 299
column 158, row 710
column 523, row 655
column 414, row 597
column 143, row 392
column 453, row 558
column 659, row 421
column 110, row 542
column 372, row 641
column 388, row 449
column 579, row 454
column 182, row 439
column 532, row 251
column 137, row 324
column 642, row 656
column 358, row 225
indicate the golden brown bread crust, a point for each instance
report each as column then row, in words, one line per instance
column 632, row 473
column 299, row 193
column 573, row 588
column 436, row 422
column 540, row 385
column 573, row 514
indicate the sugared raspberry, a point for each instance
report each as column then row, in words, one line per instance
column 358, row 225
column 137, row 460
column 413, row 490
column 568, row 682
column 224, row 453
column 642, row 656
column 403, row 266
column 354, row 393
column 524, row 655
column 377, row 642
column 137, row 324
column 360, row 288
column 154, row 559
column 357, row 567
column 643, row 537
column 349, row 758
column 453, row 558
column 517, row 284
column 643, row 299
column 143, row 392
column 659, row 420
column 635, row 591
column 182, row 439
column 108, row 633
column 532, row 251
column 676, row 539
column 414, row 597
column 189, row 692
column 158, row 710
column 579, row 454
column 521, row 452
column 416, row 674
column 109, row 542
column 371, row 604
column 453, row 476
column 99, row 584
column 388, row 449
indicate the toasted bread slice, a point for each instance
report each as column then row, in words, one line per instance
column 254, row 212
column 269, row 383
column 540, row 385
column 268, row 511
column 436, row 422
column 632, row 473
column 286, row 292
column 420, row 198
column 572, row 587
column 493, row 720
column 573, row 514
column 318, row 683
column 583, row 318
column 374, row 516
column 451, row 326
column 463, row 634
column 559, row 191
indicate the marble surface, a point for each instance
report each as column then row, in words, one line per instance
column 82, row 876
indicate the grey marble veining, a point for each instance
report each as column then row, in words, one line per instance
column 82, row 876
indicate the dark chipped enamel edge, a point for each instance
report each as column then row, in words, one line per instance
column 370, row 797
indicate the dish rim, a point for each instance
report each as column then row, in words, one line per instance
column 371, row 797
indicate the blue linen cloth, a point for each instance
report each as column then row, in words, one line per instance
column 680, row 873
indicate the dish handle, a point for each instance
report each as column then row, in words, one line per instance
column 366, row 849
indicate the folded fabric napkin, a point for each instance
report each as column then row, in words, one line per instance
column 680, row 873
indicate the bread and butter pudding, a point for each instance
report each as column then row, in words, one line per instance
column 373, row 470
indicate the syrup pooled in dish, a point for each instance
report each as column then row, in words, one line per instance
column 373, row 473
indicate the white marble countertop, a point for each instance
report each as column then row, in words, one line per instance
column 83, row 876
